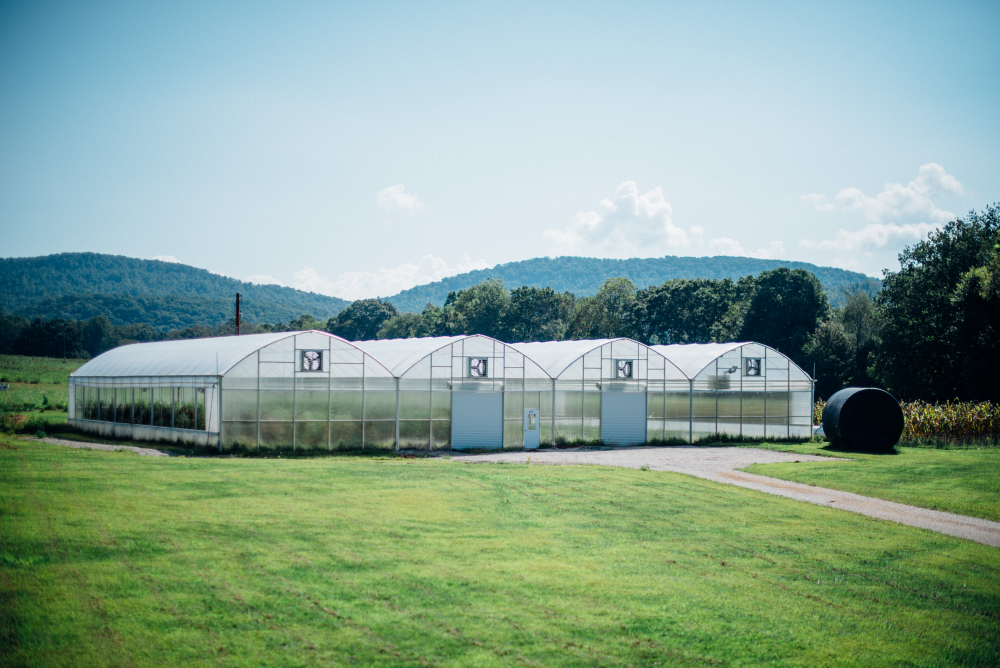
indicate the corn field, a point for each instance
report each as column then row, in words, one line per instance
column 950, row 422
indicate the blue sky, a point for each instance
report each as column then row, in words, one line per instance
column 359, row 149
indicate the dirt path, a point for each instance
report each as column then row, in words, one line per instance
column 720, row 464
column 148, row 452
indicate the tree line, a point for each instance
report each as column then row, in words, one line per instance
column 931, row 333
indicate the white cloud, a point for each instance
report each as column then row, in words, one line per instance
column 774, row 251
column 395, row 198
column 896, row 201
column 876, row 235
column 630, row 225
column 384, row 281
column 726, row 246
column 261, row 279
column 819, row 201
column 166, row 258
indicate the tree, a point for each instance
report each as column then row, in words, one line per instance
column 977, row 301
column 828, row 350
column 481, row 309
column 930, row 312
column 537, row 314
column 362, row 320
column 608, row 314
column 683, row 310
column 99, row 335
column 785, row 307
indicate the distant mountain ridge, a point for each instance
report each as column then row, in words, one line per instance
column 130, row 290
column 170, row 295
column 583, row 276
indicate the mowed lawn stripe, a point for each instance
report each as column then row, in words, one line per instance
column 112, row 558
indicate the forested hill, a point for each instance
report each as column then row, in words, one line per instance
column 130, row 290
column 583, row 276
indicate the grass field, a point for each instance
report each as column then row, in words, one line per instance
column 34, row 382
column 962, row 480
column 113, row 559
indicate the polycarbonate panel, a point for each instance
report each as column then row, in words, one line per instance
column 728, row 425
column 729, row 404
column 279, row 351
column 184, row 408
column 312, row 341
column 199, row 408
column 753, row 427
column 380, row 384
column 568, row 430
column 311, row 436
column 238, row 435
column 346, row 375
column 704, row 404
column 753, row 404
column 654, row 430
column 380, row 406
column 655, row 404
column 346, row 405
column 340, row 353
column 513, row 434
column 592, row 429
column 441, row 406
column 143, row 405
column 276, row 405
column 380, row 435
column 441, row 434
column 777, row 404
column 592, row 404
column 678, row 405
column 346, row 384
column 91, row 406
column 802, row 405
column 414, row 434
column 312, row 405
column 414, row 406
column 163, row 407
column 77, row 402
column 569, row 405
column 513, row 406
column 276, row 370
column 345, row 435
column 276, row 435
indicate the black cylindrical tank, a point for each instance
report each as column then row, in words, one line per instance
column 863, row 418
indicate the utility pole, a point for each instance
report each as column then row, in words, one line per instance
column 237, row 314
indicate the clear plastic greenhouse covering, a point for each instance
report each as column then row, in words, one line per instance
column 313, row 391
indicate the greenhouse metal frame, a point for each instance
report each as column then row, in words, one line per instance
column 313, row 391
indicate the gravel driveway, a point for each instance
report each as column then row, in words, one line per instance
column 720, row 464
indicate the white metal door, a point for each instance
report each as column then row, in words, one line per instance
column 623, row 418
column 531, row 428
column 476, row 420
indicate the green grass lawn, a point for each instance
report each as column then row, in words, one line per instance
column 113, row 559
column 32, row 378
column 963, row 481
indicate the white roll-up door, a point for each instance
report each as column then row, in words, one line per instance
column 476, row 420
column 623, row 418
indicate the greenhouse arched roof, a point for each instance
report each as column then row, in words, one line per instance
column 398, row 355
column 691, row 358
column 555, row 356
column 185, row 357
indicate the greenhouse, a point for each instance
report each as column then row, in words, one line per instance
column 313, row 391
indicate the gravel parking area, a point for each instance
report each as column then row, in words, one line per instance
column 720, row 464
